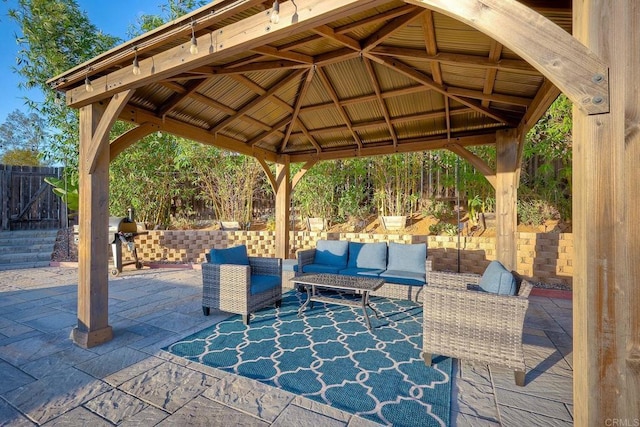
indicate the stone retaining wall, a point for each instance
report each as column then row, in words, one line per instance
column 544, row 257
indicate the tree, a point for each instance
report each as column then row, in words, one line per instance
column 23, row 139
column 56, row 36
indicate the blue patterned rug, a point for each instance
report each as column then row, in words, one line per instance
column 329, row 356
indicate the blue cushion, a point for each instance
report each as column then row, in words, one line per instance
column 331, row 252
column 403, row 277
column 367, row 255
column 295, row 268
column 409, row 258
column 262, row 282
column 320, row 268
column 234, row 255
column 369, row 272
column 498, row 280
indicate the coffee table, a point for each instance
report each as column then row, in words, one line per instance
column 341, row 282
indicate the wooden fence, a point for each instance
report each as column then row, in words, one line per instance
column 26, row 201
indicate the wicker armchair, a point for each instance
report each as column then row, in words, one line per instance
column 474, row 325
column 227, row 287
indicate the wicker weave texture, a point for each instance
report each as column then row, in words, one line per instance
column 472, row 325
column 226, row 286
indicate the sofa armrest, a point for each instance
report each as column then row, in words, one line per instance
column 230, row 277
column 452, row 280
column 266, row 266
column 305, row 257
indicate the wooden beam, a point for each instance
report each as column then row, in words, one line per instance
column 129, row 138
column 256, row 88
column 93, row 220
column 418, row 144
column 290, row 56
column 267, row 171
column 257, row 100
column 275, row 128
column 606, row 224
column 100, row 138
column 283, row 202
column 336, row 100
column 388, row 29
column 457, row 59
column 236, row 38
column 571, row 66
column 507, row 142
column 190, row 88
column 375, row 19
column 296, row 110
column 328, row 32
column 545, row 96
column 302, row 172
column 475, row 161
column 424, row 79
column 490, row 78
column 137, row 115
column 383, row 106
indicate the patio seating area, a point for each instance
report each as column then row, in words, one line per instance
column 47, row 379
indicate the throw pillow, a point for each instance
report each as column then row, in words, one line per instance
column 498, row 280
column 233, row 255
column 331, row 252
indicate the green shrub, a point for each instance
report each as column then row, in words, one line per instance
column 536, row 212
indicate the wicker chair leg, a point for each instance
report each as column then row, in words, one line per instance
column 205, row 310
column 245, row 318
column 519, row 376
column 427, row 358
column 279, row 303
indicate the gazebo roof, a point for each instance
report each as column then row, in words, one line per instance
column 376, row 78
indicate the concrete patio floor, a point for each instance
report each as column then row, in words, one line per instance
column 45, row 379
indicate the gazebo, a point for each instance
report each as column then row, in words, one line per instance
column 310, row 80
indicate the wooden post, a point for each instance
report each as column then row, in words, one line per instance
column 606, row 224
column 283, row 200
column 93, row 248
column 507, row 196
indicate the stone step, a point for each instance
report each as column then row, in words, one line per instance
column 20, row 257
column 26, row 248
column 22, row 265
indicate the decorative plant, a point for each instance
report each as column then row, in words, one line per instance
column 67, row 189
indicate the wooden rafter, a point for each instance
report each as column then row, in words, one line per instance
column 296, row 109
column 383, row 106
column 388, row 29
column 290, row 56
column 190, row 88
column 274, row 129
column 458, row 59
column 431, row 47
column 256, row 101
column 416, row 144
column 490, row 78
column 256, row 88
column 428, row 81
column 334, row 97
column 375, row 19
column 310, row 137
column 328, row 32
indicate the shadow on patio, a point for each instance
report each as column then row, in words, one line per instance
column 130, row 380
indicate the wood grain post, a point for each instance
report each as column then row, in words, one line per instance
column 606, row 224
column 283, row 200
column 93, row 247
column 507, row 196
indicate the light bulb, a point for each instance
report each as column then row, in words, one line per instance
column 87, row 84
column 194, row 45
column 136, row 66
column 275, row 13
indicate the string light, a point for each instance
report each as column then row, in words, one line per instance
column 136, row 65
column 275, row 13
column 194, row 42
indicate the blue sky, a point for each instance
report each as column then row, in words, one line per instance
column 111, row 16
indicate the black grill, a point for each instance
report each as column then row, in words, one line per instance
column 123, row 231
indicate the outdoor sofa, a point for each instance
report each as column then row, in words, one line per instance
column 237, row 283
column 402, row 266
column 477, row 318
